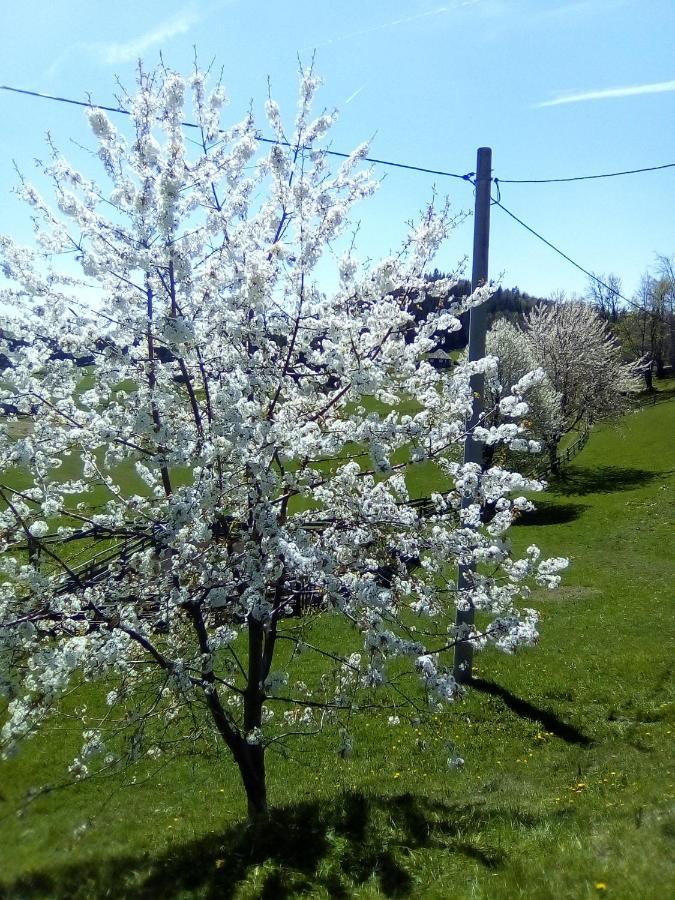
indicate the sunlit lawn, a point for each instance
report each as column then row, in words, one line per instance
column 567, row 748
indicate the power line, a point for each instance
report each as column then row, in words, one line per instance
column 119, row 109
column 381, row 162
column 469, row 176
column 582, row 177
column 569, row 259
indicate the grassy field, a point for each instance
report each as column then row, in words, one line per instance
column 564, row 793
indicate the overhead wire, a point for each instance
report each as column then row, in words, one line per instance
column 591, row 275
column 583, row 177
column 469, row 176
column 125, row 112
column 496, row 201
column 382, row 162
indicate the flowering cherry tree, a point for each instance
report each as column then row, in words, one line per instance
column 510, row 346
column 205, row 464
column 583, row 366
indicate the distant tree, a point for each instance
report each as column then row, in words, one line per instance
column 583, row 363
column 604, row 292
column 640, row 332
column 512, row 304
column 666, row 278
column 516, row 358
column 647, row 330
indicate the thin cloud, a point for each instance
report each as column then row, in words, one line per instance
column 131, row 50
column 355, row 93
column 441, row 10
column 635, row 90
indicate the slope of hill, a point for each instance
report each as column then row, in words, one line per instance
column 567, row 748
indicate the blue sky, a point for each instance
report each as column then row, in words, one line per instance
column 556, row 88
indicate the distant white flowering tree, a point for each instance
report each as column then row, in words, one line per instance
column 583, row 364
column 583, row 376
column 510, row 346
column 239, row 498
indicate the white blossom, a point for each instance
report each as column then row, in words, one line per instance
column 243, row 467
column 39, row 529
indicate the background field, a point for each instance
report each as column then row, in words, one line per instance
column 566, row 790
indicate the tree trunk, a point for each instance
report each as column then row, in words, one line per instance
column 251, row 758
column 649, row 382
column 554, row 462
column 251, row 762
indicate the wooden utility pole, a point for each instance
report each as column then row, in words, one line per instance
column 473, row 450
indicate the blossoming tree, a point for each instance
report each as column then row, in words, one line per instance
column 205, row 465
column 509, row 345
column 583, row 366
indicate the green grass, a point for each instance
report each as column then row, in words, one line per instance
column 567, row 751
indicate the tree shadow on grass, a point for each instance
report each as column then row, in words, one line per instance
column 580, row 480
column 546, row 718
column 659, row 395
column 306, row 847
column 548, row 513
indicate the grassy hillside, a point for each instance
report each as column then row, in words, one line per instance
column 564, row 791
